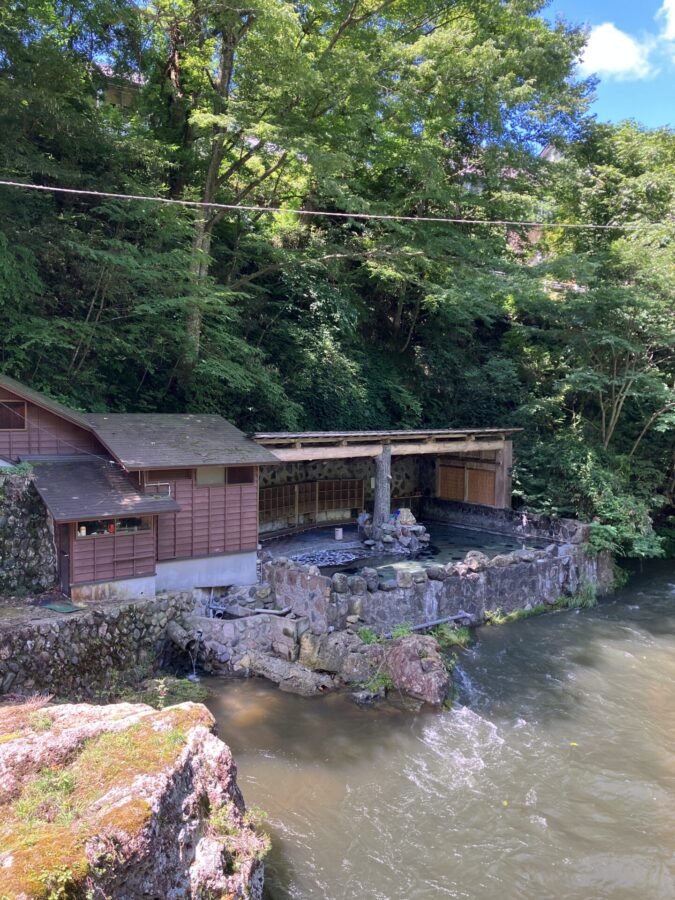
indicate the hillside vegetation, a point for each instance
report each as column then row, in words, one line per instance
column 279, row 321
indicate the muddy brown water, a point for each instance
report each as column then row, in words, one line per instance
column 552, row 777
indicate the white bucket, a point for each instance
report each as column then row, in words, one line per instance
column 338, row 534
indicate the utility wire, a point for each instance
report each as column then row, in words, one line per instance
column 442, row 220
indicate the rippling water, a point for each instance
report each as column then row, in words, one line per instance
column 552, row 777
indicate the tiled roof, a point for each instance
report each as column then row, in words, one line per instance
column 165, row 441
column 92, row 488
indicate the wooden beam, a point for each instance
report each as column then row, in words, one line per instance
column 306, row 454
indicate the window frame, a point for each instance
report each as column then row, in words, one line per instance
column 115, row 533
column 5, row 403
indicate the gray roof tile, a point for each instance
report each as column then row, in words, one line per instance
column 92, row 488
column 165, row 441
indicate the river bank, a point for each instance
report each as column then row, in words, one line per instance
column 551, row 777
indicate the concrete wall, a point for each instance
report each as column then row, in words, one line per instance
column 80, row 655
column 122, row 589
column 208, row 571
column 27, row 550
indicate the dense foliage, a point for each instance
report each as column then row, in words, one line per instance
column 281, row 321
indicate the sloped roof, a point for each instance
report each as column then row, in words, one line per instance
column 92, row 488
column 44, row 401
column 166, row 441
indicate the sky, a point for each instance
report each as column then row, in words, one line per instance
column 631, row 48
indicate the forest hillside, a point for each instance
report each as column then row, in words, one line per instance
column 463, row 109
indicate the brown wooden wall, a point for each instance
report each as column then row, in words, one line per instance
column 45, row 433
column 213, row 519
column 470, row 481
column 110, row 556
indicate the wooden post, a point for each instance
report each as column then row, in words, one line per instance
column 503, row 476
column 382, row 505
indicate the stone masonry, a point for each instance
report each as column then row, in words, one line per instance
column 27, row 550
column 80, row 655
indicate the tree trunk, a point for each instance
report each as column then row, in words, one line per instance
column 382, row 490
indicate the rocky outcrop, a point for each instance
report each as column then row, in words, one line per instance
column 27, row 550
column 403, row 535
column 290, row 676
column 414, row 664
column 411, row 663
column 122, row 801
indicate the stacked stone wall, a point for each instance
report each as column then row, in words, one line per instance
column 471, row 589
column 522, row 522
column 83, row 654
column 27, row 550
column 404, row 473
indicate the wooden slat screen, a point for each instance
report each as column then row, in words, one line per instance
column 286, row 504
column 481, row 487
column 451, row 483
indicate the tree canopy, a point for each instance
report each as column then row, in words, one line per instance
column 390, row 107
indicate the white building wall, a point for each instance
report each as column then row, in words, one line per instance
column 207, row 571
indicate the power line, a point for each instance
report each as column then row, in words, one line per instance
column 441, row 220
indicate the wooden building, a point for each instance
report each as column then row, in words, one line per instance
column 323, row 477
column 148, row 502
column 140, row 503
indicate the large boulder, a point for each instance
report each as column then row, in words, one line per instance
column 290, row 676
column 121, row 801
column 327, row 652
column 414, row 664
column 405, row 516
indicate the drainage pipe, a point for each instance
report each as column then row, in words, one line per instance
column 423, row 627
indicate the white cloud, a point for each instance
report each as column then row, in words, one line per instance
column 667, row 15
column 612, row 53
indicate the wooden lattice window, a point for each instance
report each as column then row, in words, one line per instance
column 12, row 415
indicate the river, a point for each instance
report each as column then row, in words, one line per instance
column 552, row 777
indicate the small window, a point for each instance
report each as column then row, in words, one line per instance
column 12, row 415
column 155, row 475
column 207, row 475
column 99, row 527
column 240, row 475
column 157, row 488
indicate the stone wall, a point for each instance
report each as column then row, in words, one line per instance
column 223, row 643
column 404, row 474
column 472, row 588
column 520, row 522
column 81, row 655
column 27, row 550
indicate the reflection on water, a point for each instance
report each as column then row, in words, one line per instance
column 449, row 543
column 553, row 776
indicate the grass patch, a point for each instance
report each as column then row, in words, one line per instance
column 585, row 598
column 368, row 636
column 49, row 798
column 402, row 630
column 377, row 683
column 40, row 721
column 448, row 635
column 165, row 691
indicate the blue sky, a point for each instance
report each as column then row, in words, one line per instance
column 632, row 50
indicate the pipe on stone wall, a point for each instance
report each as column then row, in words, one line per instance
column 181, row 637
column 423, row 627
